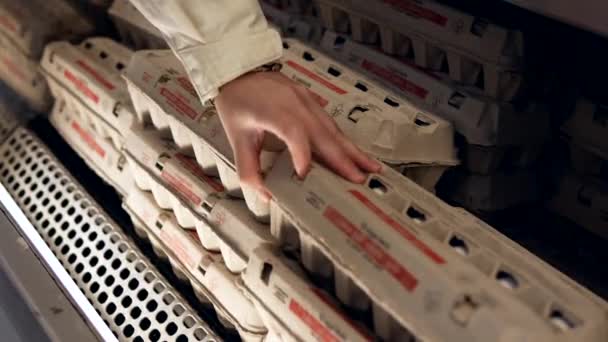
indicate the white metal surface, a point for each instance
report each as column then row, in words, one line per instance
column 103, row 262
column 35, row 307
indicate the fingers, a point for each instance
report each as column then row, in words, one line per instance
column 332, row 154
column 247, row 157
column 362, row 160
column 359, row 157
column 298, row 144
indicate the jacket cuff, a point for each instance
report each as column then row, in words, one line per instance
column 212, row 65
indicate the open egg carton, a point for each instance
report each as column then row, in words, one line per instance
column 98, row 152
column 382, row 123
column 176, row 182
column 213, row 284
column 476, row 52
column 583, row 200
column 483, row 122
column 13, row 112
column 390, row 244
column 22, row 75
column 303, row 311
column 87, row 78
column 290, row 24
column 134, row 29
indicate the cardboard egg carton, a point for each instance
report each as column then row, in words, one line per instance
column 306, row 28
column 390, row 245
column 30, row 25
column 22, row 75
column 163, row 95
column 198, row 201
column 212, row 282
column 583, row 200
column 134, row 29
column 436, row 35
column 98, row 152
column 13, row 112
column 480, row 120
column 87, row 77
column 588, row 126
column 496, row 191
column 382, row 123
column 292, row 307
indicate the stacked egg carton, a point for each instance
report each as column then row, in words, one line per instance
column 26, row 27
column 214, row 284
column 289, row 19
column 91, row 102
column 476, row 52
column 381, row 124
column 95, row 116
column 134, row 29
column 410, row 249
column 583, row 191
column 98, row 153
column 392, row 250
column 224, row 227
column 87, row 79
column 502, row 141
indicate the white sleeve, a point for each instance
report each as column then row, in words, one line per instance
column 216, row 40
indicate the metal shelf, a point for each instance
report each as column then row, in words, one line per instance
column 589, row 15
column 113, row 290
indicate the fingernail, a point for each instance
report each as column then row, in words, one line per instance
column 359, row 178
column 303, row 172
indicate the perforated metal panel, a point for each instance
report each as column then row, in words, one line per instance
column 128, row 292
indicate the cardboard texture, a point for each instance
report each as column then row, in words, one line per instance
column 204, row 271
column 134, row 29
column 496, row 191
column 436, row 35
column 163, row 95
column 383, row 124
column 87, row 77
column 13, row 112
column 31, row 24
column 583, row 200
column 588, row 126
column 198, row 201
column 408, row 245
column 290, row 24
column 98, row 152
column 291, row 307
column 21, row 74
column 480, row 120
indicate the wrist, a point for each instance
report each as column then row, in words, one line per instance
column 268, row 67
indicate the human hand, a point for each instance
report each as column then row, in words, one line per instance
column 260, row 103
